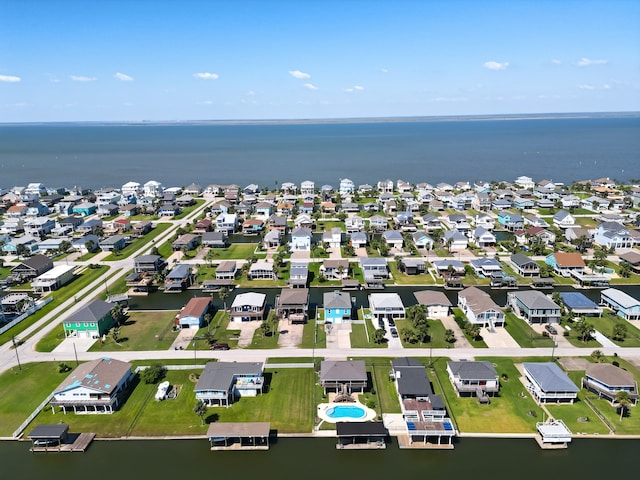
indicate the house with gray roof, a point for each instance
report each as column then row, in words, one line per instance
column 337, row 374
column 607, row 380
column 32, row 267
column 92, row 321
column 98, row 386
column 524, row 266
column 473, row 378
column 485, row 266
column 222, row 383
column 337, row 306
column 437, row 303
column 620, row 302
column 248, row 306
column 548, row 383
column 293, row 304
column 386, row 305
column 534, row 306
column 479, row 308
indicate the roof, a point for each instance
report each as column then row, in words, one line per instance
column 432, row 297
column 296, row 296
column 57, row 430
column 535, row 300
column 577, row 300
column 569, row 259
column 195, row 307
column 147, row 259
column 361, row 429
column 610, row 375
column 385, row 300
column 343, row 370
column 226, row 266
column 373, row 262
column 336, row 299
column 621, row 298
column 478, row 300
column 93, row 312
column 411, row 377
column 102, row 374
column 549, row 377
column 520, row 259
column 239, row 429
column 473, row 370
column 249, row 298
column 219, row 375
column 37, row 262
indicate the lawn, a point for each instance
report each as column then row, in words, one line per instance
column 574, row 340
column 400, row 278
column 187, row 210
column 460, row 319
column 436, row 332
column 384, row 388
column 508, row 412
column 142, row 331
column 522, row 333
column 314, row 335
column 60, row 296
column 360, row 338
column 138, row 243
column 237, row 251
column 267, row 340
column 606, row 324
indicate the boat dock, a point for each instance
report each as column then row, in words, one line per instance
column 80, row 444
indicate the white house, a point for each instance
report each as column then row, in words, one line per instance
column 153, row 189
column 386, row 305
column 347, row 186
column 301, row 239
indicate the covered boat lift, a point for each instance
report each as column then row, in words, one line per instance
column 239, row 436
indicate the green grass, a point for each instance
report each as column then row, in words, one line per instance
column 436, row 332
column 606, row 324
column 507, row 412
column 187, row 210
column 268, row 340
column 573, row 339
column 4, row 272
column 400, row 278
column 475, row 342
column 327, row 225
column 522, row 333
column 383, row 386
column 138, row 243
column 237, row 251
column 314, row 335
column 142, row 331
column 59, row 297
column 359, row 337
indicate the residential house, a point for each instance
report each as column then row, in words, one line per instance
column 279, row 223
column 223, row 383
column 510, row 221
column 85, row 209
column 455, row 240
column 393, row 239
column 579, row 304
column 378, row 223
column 437, row 303
column 385, row 186
column 39, row 226
column 27, row 241
column 457, row 221
column 563, row 219
column 335, row 269
column 141, row 228
column 272, row 239
column 623, row 304
column 485, row 221
column 214, row 239
column 595, row 204
column 129, row 210
column 479, row 308
column 90, row 226
column 412, row 265
column 253, row 226
column 533, row 234
column 226, row 223
column 193, row 313
column 347, row 187
column 632, row 258
column 248, row 306
column 358, row 239
column 564, row 263
column 337, row 306
column 301, row 239
column 97, row 386
column 333, row 238
column 354, row 224
column 107, row 210
column 226, row 270
column 293, row 304
column 153, row 189
column 261, row 270
column 422, row 240
column 298, row 274
column 534, row 306
column 524, row 266
column 31, row 268
column 449, row 267
column 149, row 264
column 53, row 279
column 483, row 238
column 535, row 221
column 131, row 189
column 386, row 305
column 485, row 266
column 86, row 244
column 547, row 383
column 570, row 201
column 606, row 380
column 374, row 271
column 336, row 375
column 178, row 279
column 92, row 321
column 610, row 235
column 114, row 243
column 203, row 225
column 471, row 378
column 307, row 188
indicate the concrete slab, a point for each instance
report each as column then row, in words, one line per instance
column 498, row 338
column 81, row 345
column 290, row 334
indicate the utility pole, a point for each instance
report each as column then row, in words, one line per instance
column 75, row 353
column 15, row 347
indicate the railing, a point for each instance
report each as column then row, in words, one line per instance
column 611, row 428
column 33, row 415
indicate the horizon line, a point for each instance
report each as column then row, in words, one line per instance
column 338, row 120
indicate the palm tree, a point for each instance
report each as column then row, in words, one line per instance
column 449, row 336
column 623, row 401
column 200, row 409
column 223, row 293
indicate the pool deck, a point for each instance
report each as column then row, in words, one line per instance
column 323, row 407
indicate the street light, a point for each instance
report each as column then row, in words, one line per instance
column 15, row 347
column 553, row 347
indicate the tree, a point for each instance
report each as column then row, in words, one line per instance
column 115, row 333
column 619, row 332
column 64, row 246
column 200, row 409
column 625, row 270
column 265, row 327
column 21, row 250
column 117, row 313
column 597, row 356
column 63, row 367
column 153, row 373
column 449, row 336
column 378, row 336
column 600, row 256
column 210, row 256
column 546, row 270
column 623, row 401
column 472, row 330
column 91, row 246
column 584, row 329
column 223, row 294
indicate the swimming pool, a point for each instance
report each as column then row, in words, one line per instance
column 345, row 411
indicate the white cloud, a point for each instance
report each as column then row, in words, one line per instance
column 81, row 78
column 556, row 61
column 449, row 99
column 251, row 93
column 606, row 86
column 10, row 78
column 299, row 75
column 384, row 70
column 355, row 88
column 586, row 86
column 206, row 102
column 587, row 62
column 206, row 76
column 495, row 65
column 123, row 77
column 310, row 86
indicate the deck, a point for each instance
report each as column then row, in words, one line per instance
column 80, row 444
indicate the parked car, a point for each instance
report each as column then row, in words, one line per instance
column 392, row 322
column 394, row 332
column 551, row 329
column 220, row 346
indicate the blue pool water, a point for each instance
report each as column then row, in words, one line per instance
column 345, row 411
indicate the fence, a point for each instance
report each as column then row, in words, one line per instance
column 37, row 306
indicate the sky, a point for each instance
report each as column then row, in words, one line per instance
column 157, row 60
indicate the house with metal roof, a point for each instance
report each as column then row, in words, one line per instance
column 91, row 321
column 579, row 304
column 193, row 313
column 386, row 305
column 524, row 266
column 534, row 306
column 178, row 279
column 98, row 386
column 337, row 306
column 338, row 374
column 53, row 279
column 248, row 306
column 485, row 266
column 548, row 383
column 607, row 380
column 222, row 383
column 32, row 267
column 620, row 302
column 473, row 378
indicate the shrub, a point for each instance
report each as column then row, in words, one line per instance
column 153, row 373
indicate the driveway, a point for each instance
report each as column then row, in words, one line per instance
column 338, row 335
column 247, row 330
column 450, row 324
column 290, row 334
column 80, row 344
column 499, row 338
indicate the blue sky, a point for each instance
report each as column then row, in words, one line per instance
column 90, row 60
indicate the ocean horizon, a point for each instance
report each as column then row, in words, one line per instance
column 558, row 147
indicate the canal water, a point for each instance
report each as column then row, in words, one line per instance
column 311, row 459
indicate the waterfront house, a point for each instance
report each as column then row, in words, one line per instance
column 114, row 243
column 563, row 219
column 188, row 241
column 633, row 259
column 203, row 225
column 53, row 279
column 261, row 270
column 272, row 239
column 222, row 383
column 448, row 267
column 253, row 226
column 333, row 238
column 193, row 313
column 279, row 223
column 153, row 189
column 510, row 221
column 92, row 321
column 437, row 303
column 422, row 240
column 524, row 266
column 358, row 239
column 226, row 270
column 307, row 188
column 337, row 306
column 293, row 304
column 484, row 220
column 611, row 235
column 473, row 378
column 579, row 304
column 374, row 271
column 248, row 306
column 534, row 306
column 607, row 380
column 479, row 308
column 31, row 268
column 393, row 238
column 547, row 383
column 454, row 240
column 485, row 266
column 298, row 274
column 347, row 186
column 226, row 223
column 214, row 239
column 386, row 305
column 412, row 265
column 623, row 304
column 335, row 269
column 570, row 201
column 564, row 263
column 178, row 279
column 149, row 264
column 301, row 239
column 483, row 238
column 97, row 386
column 337, row 375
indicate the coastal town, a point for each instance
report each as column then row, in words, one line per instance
column 417, row 312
